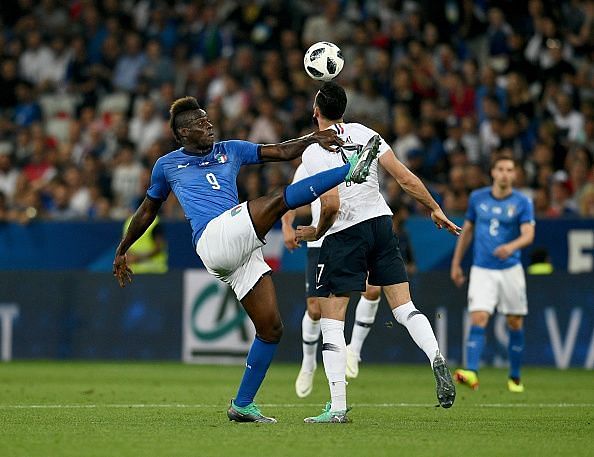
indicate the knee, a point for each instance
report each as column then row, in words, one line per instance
column 315, row 315
column 515, row 322
column 271, row 333
column 479, row 318
column 372, row 292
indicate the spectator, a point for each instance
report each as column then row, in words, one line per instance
column 130, row 64
column 586, row 201
column 27, row 110
column 9, row 175
column 147, row 127
column 35, row 59
column 125, row 183
column 329, row 26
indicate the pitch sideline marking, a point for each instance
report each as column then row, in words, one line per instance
column 296, row 405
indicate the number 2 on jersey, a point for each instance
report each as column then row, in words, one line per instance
column 212, row 180
column 494, row 227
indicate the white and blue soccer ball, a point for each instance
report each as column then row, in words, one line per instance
column 323, row 61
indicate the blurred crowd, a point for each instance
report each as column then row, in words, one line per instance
column 85, row 88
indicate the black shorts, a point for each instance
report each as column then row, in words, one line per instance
column 310, row 271
column 346, row 258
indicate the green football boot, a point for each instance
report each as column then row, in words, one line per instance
column 329, row 417
column 249, row 413
column 361, row 161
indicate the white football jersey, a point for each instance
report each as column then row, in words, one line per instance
column 301, row 173
column 358, row 202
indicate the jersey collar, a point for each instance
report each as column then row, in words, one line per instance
column 195, row 154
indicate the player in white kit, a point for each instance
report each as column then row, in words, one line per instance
column 360, row 244
column 310, row 324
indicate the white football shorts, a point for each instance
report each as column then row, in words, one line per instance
column 502, row 289
column 231, row 250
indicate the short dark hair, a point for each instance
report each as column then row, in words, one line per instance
column 499, row 156
column 179, row 106
column 332, row 101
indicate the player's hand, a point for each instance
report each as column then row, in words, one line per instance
column 503, row 252
column 328, row 139
column 441, row 221
column 289, row 238
column 121, row 270
column 305, row 233
column 457, row 275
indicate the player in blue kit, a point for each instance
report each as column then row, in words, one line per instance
column 501, row 220
column 228, row 236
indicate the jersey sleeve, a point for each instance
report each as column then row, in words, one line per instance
column 471, row 211
column 526, row 212
column 300, row 174
column 246, row 152
column 384, row 146
column 159, row 188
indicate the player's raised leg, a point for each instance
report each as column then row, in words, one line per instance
column 419, row 328
column 364, row 318
column 310, row 332
column 265, row 211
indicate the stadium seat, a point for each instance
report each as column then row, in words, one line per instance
column 58, row 105
column 114, row 103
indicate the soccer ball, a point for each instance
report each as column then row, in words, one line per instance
column 323, row 61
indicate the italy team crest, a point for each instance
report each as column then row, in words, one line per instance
column 221, row 157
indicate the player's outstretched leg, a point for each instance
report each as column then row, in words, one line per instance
column 265, row 211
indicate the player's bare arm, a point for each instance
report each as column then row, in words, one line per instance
column 413, row 186
column 288, row 231
column 142, row 219
column 525, row 239
column 291, row 149
column 329, row 206
column 456, row 273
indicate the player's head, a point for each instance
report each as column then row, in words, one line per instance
column 330, row 102
column 190, row 123
column 503, row 170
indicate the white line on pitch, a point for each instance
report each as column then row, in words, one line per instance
column 298, row 405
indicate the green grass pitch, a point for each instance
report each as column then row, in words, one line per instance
column 170, row 409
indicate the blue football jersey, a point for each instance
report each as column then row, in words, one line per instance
column 496, row 222
column 205, row 185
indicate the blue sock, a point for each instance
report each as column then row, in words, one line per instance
column 308, row 189
column 256, row 366
column 474, row 347
column 516, row 352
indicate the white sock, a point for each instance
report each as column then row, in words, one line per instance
column 419, row 328
column 310, row 332
column 334, row 355
column 364, row 318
